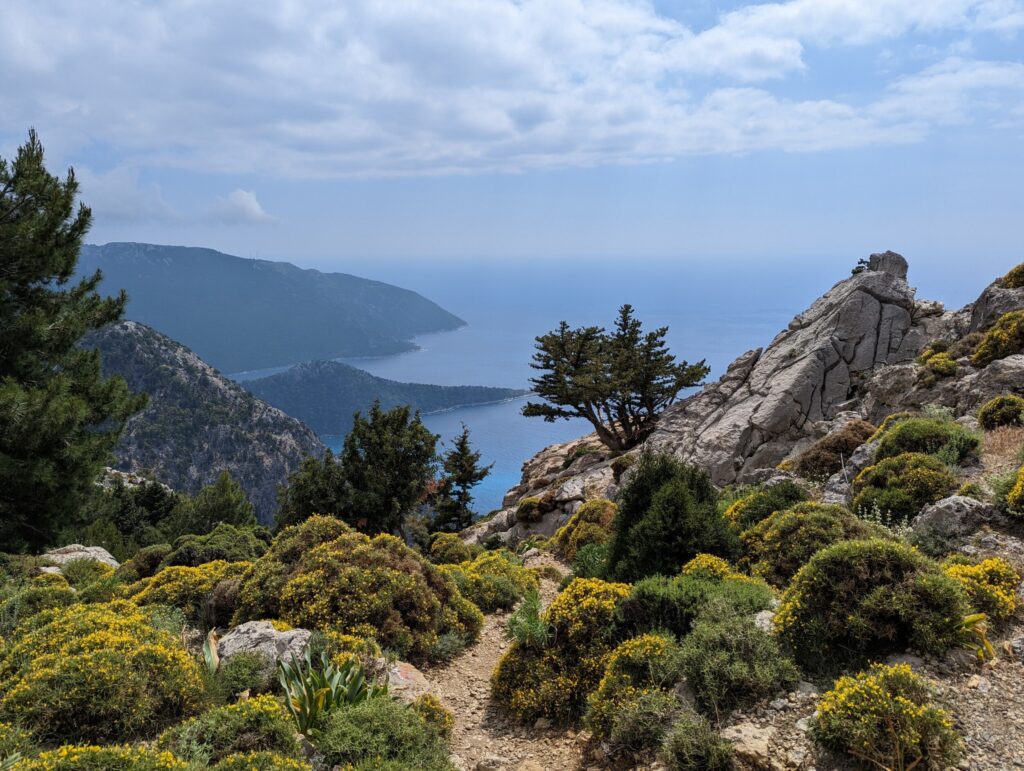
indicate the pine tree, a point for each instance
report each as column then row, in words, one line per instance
column 620, row 381
column 224, row 501
column 315, row 488
column 462, row 472
column 386, row 463
column 59, row 417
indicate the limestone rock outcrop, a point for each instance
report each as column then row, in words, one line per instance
column 261, row 638
column 76, row 551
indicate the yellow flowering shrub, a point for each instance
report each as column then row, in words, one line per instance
column 886, row 718
column 777, row 547
column 343, row 648
column 1015, row 278
column 92, row 758
column 643, row 665
column 1005, row 338
column 97, row 672
column 261, row 761
column 1003, row 410
column 14, row 739
column 435, row 714
column 592, row 523
column 185, row 588
column 991, row 586
column 449, row 549
column 751, row 509
column 260, row 724
column 323, row 575
column 826, row 456
column 897, row 488
column 708, row 566
column 1015, row 498
column 493, row 581
column 554, row 680
column 33, row 598
column 860, row 600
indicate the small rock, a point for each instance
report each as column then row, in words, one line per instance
column 491, row 763
column 804, row 724
column 261, row 638
column 542, row 724
column 778, row 704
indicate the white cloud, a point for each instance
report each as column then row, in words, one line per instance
column 239, row 207
column 312, row 88
column 118, row 194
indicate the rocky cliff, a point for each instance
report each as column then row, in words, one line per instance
column 197, row 422
column 851, row 354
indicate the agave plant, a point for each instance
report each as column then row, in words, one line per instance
column 313, row 689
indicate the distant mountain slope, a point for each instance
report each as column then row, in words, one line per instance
column 198, row 422
column 324, row 394
column 241, row 314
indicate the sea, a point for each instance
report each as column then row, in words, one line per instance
column 714, row 310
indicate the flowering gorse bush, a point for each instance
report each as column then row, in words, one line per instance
column 991, row 585
column 185, row 588
column 1005, row 338
column 591, row 524
column 323, row 575
column 885, row 718
column 93, row 758
column 554, row 680
column 495, row 580
column 96, row 673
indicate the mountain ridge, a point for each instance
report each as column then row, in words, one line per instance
column 324, row 394
column 244, row 314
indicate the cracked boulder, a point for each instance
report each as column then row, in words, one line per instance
column 770, row 400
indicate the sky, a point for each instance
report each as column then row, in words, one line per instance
column 386, row 131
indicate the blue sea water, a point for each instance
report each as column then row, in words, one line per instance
column 711, row 314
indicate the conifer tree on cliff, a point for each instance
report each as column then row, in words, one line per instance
column 462, row 472
column 59, row 417
column 620, row 381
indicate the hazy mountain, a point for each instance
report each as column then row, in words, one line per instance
column 324, row 394
column 240, row 314
column 198, row 422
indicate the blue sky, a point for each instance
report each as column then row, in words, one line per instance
column 331, row 133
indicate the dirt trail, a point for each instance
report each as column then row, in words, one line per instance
column 483, row 738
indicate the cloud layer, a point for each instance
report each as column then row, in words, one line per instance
column 317, row 88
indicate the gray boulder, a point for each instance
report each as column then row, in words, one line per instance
column 954, row 517
column 76, row 551
column 770, row 400
column 993, row 303
column 261, row 638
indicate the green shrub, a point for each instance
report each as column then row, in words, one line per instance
column 672, row 604
column 886, row 717
column 729, row 661
column 495, row 580
column 554, row 681
column 777, row 547
column 938, row 366
column 82, row 572
column 1015, row 493
column 1015, row 278
column 1005, row 410
column 380, row 732
column 92, row 758
column 826, row 456
column 323, row 575
column 435, row 714
column 857, row 600
column 898, row 488
column 526, row 625
column 667, row 515
column 531, row 510
column 225, row 542
column 252, row 672
column 96, row 673
column 694, row 745
column 946, row 439
column 26, row 601
column 761, row 503
column 186, row 588
column 1005, row 338
column 643, row 665
column 449, row 549
column 591, row 561
column 261, row 761
column 591, row 524
column 144, row 563
column 260, row 724
column 642, row 720
column 14, row 740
